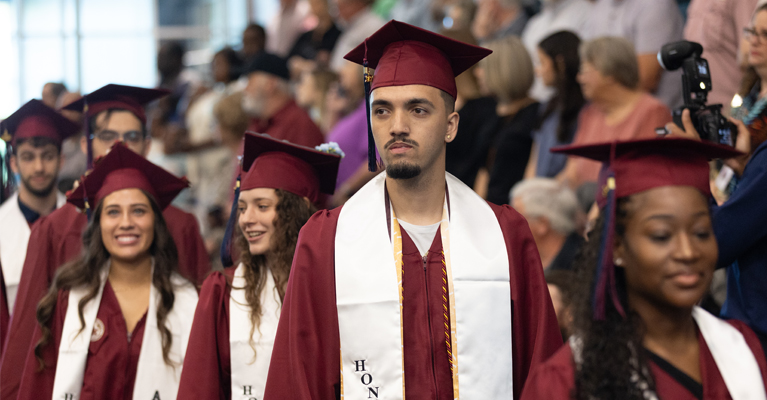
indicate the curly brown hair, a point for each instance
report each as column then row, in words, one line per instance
column 84, row 271
column 292, row 213
column 612, row 355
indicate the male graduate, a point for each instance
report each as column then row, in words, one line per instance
column 416, row 287
column 113, row 112
column 35, row 133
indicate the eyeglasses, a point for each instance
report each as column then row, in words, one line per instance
column 751, row 33
column 111, row 136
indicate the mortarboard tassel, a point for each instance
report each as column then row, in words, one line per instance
column 604, row 276
column 368, row 77
column 226, row 244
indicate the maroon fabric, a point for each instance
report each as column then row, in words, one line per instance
column 120, row 169
column 207, row 373
column 110, row 371
column 291, row 123
column 35, row 119
column 305, row 361
column 126, row 104
column 556, row 378
column 403, row 54
column 4, row 317
column 56, row 239
column 129, row 98
column 281, row 171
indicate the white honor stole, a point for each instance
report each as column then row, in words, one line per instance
column 733, row 357
column 249, row 370
column 368, row 297
column 154, row 378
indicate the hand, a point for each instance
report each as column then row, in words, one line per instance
column 689, row 131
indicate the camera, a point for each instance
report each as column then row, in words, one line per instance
column 696, row 83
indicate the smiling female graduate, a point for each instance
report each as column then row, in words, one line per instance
column 639, row 333
column 115, row 322
column 230, row 346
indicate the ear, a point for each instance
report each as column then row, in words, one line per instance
column 619, row 251
column 83, row 144
column 14, row 164
column 452, row 127
column 308, row 202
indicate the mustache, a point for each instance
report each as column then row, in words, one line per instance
column 402, row 140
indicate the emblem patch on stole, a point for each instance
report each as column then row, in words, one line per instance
column 98, row 330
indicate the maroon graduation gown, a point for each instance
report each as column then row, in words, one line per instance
column 207, row 366
column 306, row 357
column 110, row 371
column 57, row 239
column 556, row 378
column 4, row 317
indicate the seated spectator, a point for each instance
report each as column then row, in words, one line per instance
column 52, row 91
column 555, row 16
column 253, row 42
column 619, row 109
column 558, row 69
column 648, row 25
column 75, row 161
column 561, row 285
column 357, row 22
column 724, row 47
column 551, row 210
column 269, row 102
column 508, row 75
column 312, row 49
column 467, row 153
column 496, row 19
column 311, row 92
column 421, row 13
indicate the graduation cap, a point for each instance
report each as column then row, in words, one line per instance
column 128, row 98
column 403, row 54
column 278, row 164
column 269, row 63
column 35, row 119
column 633, row 167
column 121, row 169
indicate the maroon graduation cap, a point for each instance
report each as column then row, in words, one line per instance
column 403, row 54
column 111, row 96
column 121, row 169
column 278, row 164
column 35, row 119
column 633, row 167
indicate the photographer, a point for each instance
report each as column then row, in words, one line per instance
column 740, row 226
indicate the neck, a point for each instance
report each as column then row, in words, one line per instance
column 512, row 107
column 666, row 328
column 615, row 99
column 418, row 200
column 549, row 248
column 40, row 205
column 275, row 104
column 130, row 273
column 762, row 72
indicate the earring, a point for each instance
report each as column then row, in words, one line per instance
column 618, row 261
column 448, row 137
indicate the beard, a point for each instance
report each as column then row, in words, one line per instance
column 403, row 171
column 42, row 192
column 253, row 105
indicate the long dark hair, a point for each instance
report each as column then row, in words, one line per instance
column 85, row 271
column 292, row 213
column 562, row 47
column 612, row 355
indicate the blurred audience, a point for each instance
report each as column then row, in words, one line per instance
column 253, row 42
column 311, row 93
column 561, row 285
column 619, row 109
column 420, row 13
column 290, row 21
column 52, row 91
column 552, row 211
column 496, row 19
column 312, row 49
column 467, row 153
column 269, row 102
column 357, row 21
column 555, row 16
column 648, row 25
column 74, row 161
column 508, row 75
column 725, row 47
column 558, row 69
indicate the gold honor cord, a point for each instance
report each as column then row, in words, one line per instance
column 449, row 301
